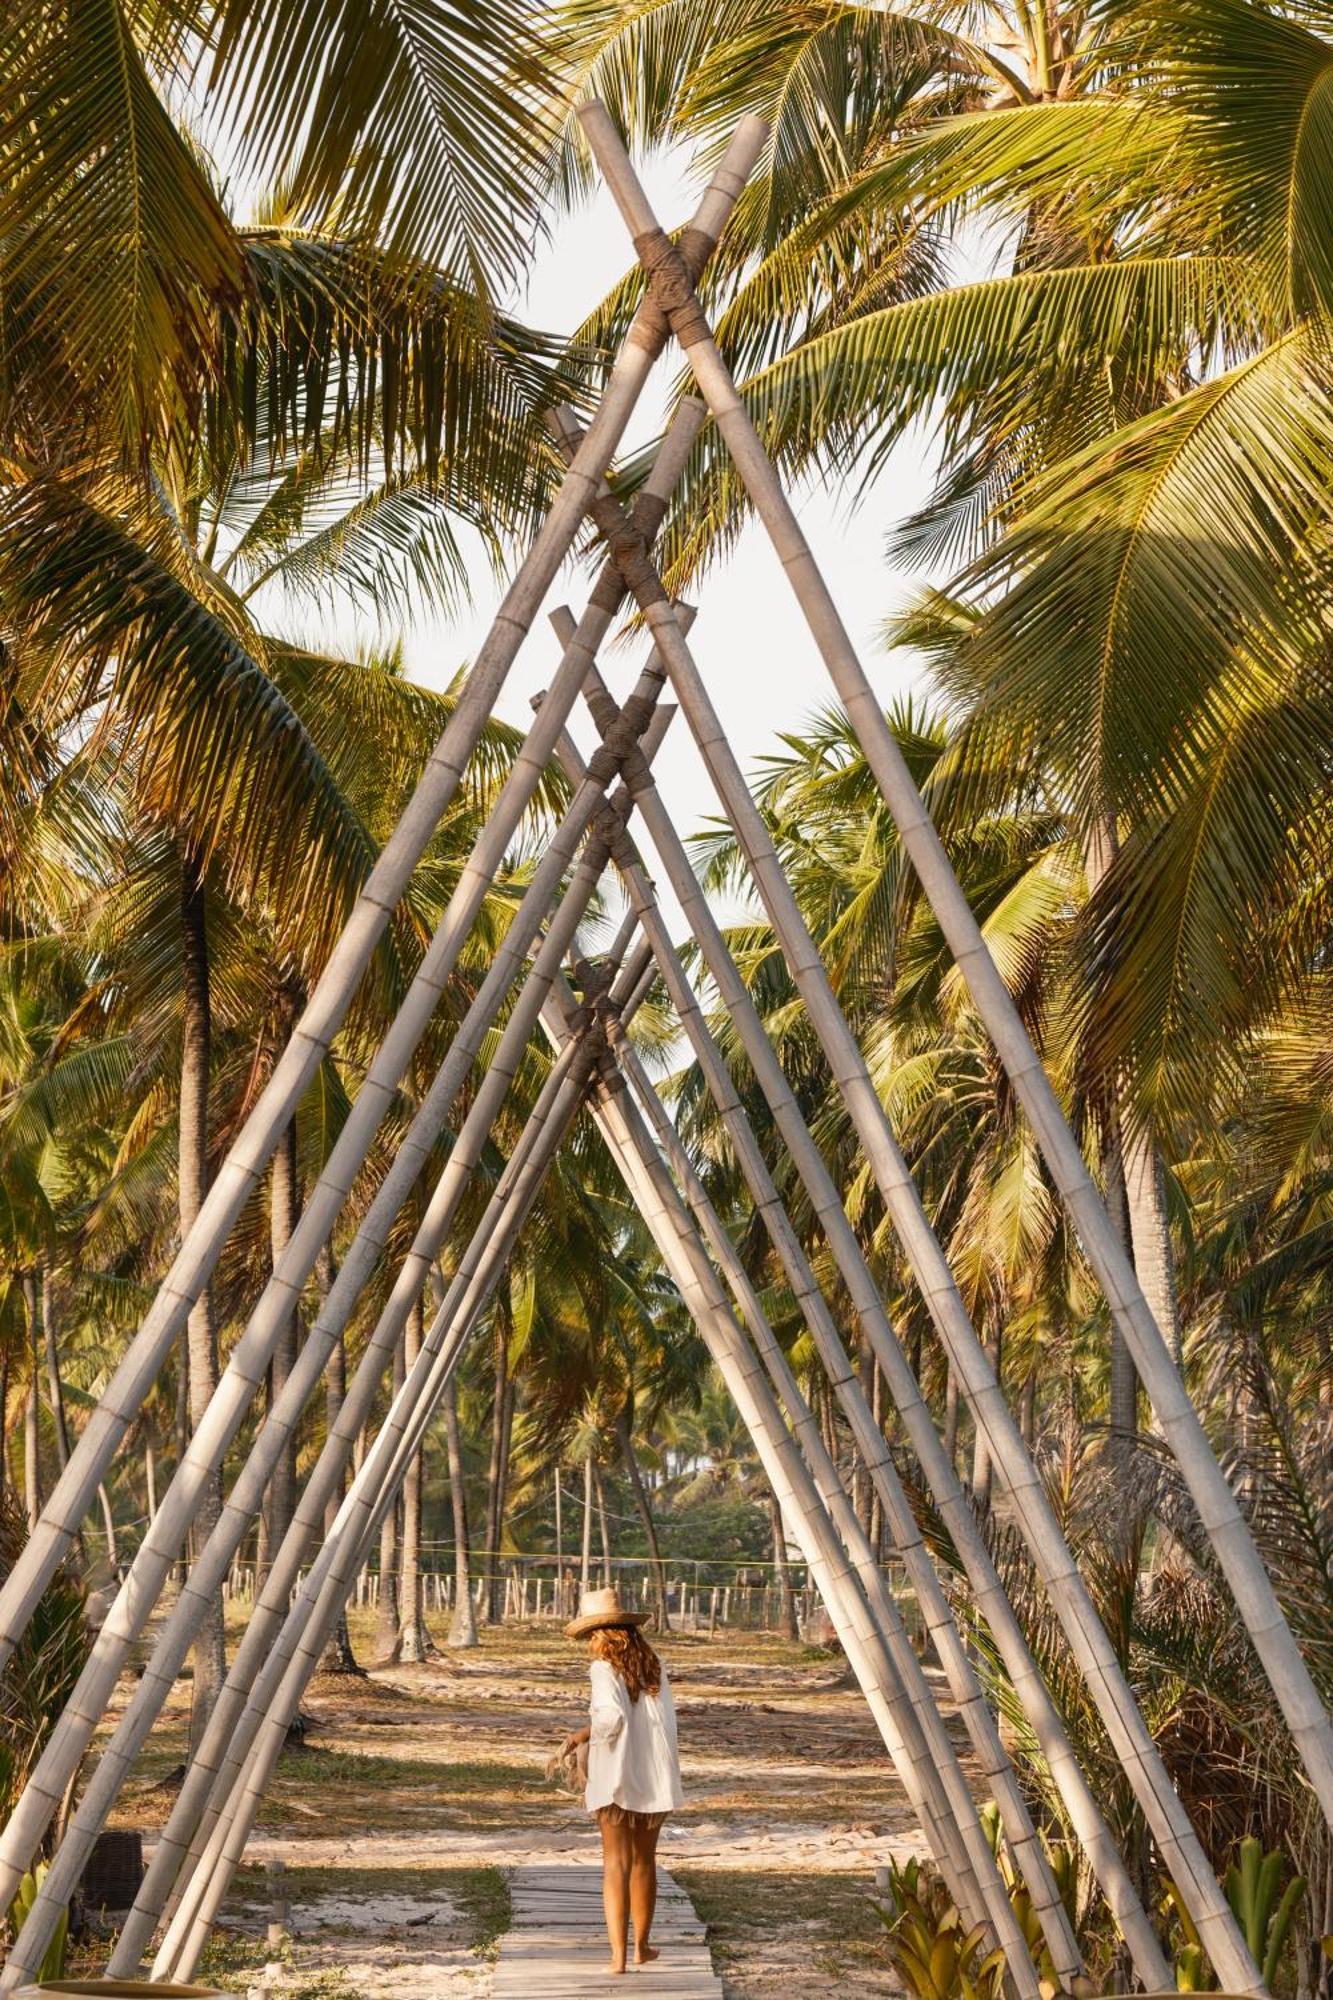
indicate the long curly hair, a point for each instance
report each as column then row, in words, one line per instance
column 625, row 1648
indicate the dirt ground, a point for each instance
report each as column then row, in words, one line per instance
column 418, row 1789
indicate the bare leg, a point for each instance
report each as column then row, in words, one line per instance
column 643, row 1890
column 616, row 1856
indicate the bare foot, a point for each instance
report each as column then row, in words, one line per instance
column 614, row 1968
column 646, row 1953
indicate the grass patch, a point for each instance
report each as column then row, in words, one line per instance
column 347, row 1791
column 479, row 1895
column 228, row 1959
column 745, row 1908
column 482, row 1894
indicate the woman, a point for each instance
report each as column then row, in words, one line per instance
column 633, row 1768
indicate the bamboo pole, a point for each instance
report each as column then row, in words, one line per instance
column 995, row 1762
column 1033, row 1513
column 47, row 1784
column 936, row 1742
column 665, row 1216
column 192, row 1821
column 1219, row 1511
column 337, row 984
column 225, row 1741
column 941, row 1478
column 327, row 1474
column 117, row 1759
column 277, row 1692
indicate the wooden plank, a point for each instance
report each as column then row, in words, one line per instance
column 556, row 1948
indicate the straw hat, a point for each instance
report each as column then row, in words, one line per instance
column 602, row 1607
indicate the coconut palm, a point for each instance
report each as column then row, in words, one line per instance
column 128, row 288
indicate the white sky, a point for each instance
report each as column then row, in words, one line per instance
column 761, row 667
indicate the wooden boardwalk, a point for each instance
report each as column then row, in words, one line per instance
column 556, row 1946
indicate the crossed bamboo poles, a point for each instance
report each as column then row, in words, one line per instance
column 596, row 1065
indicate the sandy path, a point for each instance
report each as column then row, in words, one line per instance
column 419, row 1787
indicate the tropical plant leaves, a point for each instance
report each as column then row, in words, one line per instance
column 406, row 120
column 117, row 254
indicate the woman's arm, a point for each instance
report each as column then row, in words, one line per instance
column 606, row 1718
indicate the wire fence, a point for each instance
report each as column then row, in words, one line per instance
column 702, row 1595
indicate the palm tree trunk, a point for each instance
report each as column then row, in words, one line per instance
column 862, row 1489
column 413, row 1639
column 463, row 1624
column 782, row 1569
column 338, row 1655
column 32, row 1461
column 625, row 1435
column 54, row 1383
column 951, row 1415
column 1124, row 1379
column 387, row 1622
column 495, row 1470
column 1099, row 853
column 601, row 1524
column 585, row 1572
column 180, row 1428
column 876, row 1504
column 981, row 1458
column 201, row 1331
column 56, row 1392
column 284, row 1212
column 1150, row 1236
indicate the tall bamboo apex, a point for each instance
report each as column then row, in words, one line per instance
column 936, row 1461
column 1096, row 1655
column 1251, row 1587
column 337, row 985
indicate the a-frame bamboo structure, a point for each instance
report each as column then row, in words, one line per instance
column 596, row 1072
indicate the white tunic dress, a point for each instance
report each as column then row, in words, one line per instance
column 632, row 1758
